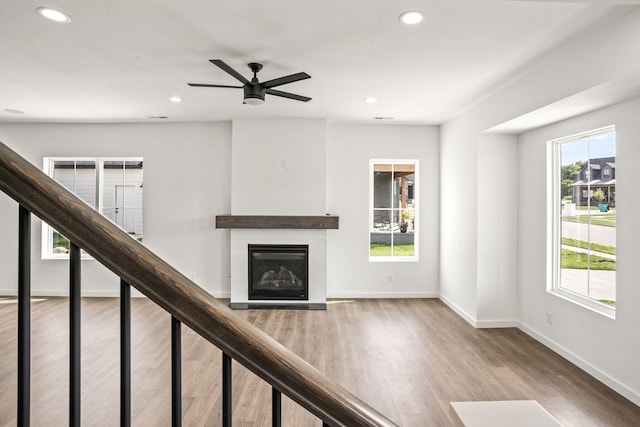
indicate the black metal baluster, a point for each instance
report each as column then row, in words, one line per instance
column 325, row 424
column 276, row 408
column 176, row 374
column 227, row 405
column 74, row 335
column 125, row 354
column 24, row 316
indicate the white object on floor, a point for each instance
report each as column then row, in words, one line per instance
column 504, row 413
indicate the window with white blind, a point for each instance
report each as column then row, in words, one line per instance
column 112, row 186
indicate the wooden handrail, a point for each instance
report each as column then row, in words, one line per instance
column 178, row 295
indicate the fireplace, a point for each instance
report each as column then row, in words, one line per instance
column 278, row 272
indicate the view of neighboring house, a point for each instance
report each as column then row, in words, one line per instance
column 596, row 173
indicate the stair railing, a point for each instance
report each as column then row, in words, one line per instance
column 187, row 303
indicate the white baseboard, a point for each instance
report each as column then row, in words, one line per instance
column 460, row 312
column 222, row 295
column 381, row 295
column 479, row 324
column 496, row 323
column 582, row 364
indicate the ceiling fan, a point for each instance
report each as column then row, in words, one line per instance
column 254, row 91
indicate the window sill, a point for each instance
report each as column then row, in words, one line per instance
column 393, row 259
column 586, row 303
column 83, row 257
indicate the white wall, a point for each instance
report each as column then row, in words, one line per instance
column 278, row 167
column 186, row 173
column 605, row 347
column 349, row 149
column 497, row 261
column 459, row 212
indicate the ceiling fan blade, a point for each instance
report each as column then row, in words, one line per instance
column 206, row 85
column 288, row 95
column 223, row 66
column 284, row 80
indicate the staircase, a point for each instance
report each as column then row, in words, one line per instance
column 37, row 194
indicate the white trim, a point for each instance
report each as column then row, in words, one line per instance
column 479, row 324
column 579, row 135
column 554, row 246
column 609, row 381
column 496, row 323
column 371, row 208
column 381, row 295
column 221, row 295
column 394, row 258
column 460, row 312
column 588, row 303
column 46, row 249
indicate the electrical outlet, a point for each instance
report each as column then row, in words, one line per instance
column 390, row 278
column 549, row 320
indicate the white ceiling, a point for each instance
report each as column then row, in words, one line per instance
column 120, row 60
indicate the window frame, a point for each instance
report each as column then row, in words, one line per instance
column 555, row 238
column 371, row 209
column 48, row 168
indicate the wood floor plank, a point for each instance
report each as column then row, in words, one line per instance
column 408, row 358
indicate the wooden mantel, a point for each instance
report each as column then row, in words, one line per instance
column 320, row 222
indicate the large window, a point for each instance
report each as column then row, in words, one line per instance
column 393, row 208
column 584, row 225
column 112, row 186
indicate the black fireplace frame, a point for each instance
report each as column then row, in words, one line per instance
column 279, row 294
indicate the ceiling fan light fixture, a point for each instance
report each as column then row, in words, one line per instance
column 54, row 15
column 254, row 101
column 411, row 17
column 254, row 94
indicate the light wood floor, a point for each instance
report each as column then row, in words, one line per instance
column 407, row 358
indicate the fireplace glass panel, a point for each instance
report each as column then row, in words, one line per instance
column 278, row 272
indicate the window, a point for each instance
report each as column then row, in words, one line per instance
column 584, row 224
column 393, row 210
column 112, row 186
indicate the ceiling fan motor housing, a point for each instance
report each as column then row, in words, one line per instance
column 254, row 94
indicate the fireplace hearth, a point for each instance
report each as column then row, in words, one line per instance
column 278, row 272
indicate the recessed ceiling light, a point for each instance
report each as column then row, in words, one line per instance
column 175, row 99
column 383, row 118
column 157, row 117
column 54, row 15
column 370, row 100
column 12, row 111
column 411, row 18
